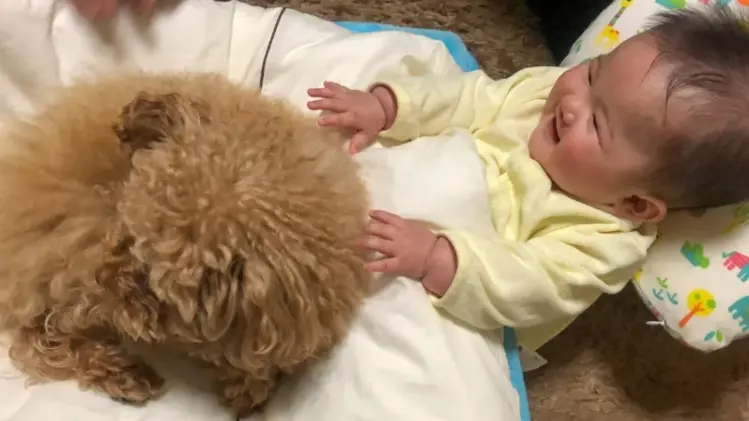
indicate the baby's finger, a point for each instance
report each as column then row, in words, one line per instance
column 341, row 119
column 320, row 93
column 328, row 104
column 379, row 245
column 358, row 142
column 390, row 266
column 335, row 87
column 387, row 218
column 385, row 231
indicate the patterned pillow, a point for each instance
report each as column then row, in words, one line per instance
column 696, row 277
column 624, row 18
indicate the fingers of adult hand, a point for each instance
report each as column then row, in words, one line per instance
column 387, row 218
column 87, row 8
column 144, row 6
column 358, row 142
column 385, row 231
column 390, row 265
column 96, row 9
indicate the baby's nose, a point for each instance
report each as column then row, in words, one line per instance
column 568, row 118
column 567, row 110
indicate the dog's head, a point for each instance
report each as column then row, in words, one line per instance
column 246, row 217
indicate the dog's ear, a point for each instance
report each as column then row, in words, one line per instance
column 219, row 299
column 207, row 298
column 137, row 311
column 153, row 118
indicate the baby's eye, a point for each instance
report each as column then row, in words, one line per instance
column 595, row 124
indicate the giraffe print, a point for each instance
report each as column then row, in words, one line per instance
column 609, row 35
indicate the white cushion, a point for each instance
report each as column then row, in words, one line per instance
column 402, row 359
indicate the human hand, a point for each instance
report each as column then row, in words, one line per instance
column 411, row 249
column 105, row 9
column 367, row 113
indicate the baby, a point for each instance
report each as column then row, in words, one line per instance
column 580, row 164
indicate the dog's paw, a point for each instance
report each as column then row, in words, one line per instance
column 243, row 406
column 135, row 385
column 243, row 399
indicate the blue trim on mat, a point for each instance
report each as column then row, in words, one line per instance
column 467, row 63
column 516, row 372
column 452, row 41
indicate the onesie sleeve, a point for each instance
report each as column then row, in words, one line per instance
column 429, row 105
column 542, row 280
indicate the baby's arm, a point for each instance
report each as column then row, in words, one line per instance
column 409, row 107
column 429, row 105
column 551, row 277
column 490, row 282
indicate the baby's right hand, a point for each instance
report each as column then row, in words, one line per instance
column 367, row 113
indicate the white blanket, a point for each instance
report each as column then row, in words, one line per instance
column 402, row 360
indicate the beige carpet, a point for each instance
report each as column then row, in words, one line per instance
column 609, row 366
column 500, row 40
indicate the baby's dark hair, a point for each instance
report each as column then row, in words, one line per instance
column 703, row 162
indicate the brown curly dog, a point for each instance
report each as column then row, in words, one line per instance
column 181, row 211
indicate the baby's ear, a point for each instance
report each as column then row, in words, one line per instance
column 154, row 118
column 641, row 208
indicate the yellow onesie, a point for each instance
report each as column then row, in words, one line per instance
column 550, row 256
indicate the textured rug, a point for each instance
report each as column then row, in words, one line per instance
column 608, row 366
column 499, row 32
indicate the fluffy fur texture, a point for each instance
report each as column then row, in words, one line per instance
column 180, row 211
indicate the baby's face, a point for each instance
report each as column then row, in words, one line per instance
column 590, row 139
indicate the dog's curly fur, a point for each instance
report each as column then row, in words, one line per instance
column 181, row 211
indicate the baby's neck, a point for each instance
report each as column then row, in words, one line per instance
column 602, row 207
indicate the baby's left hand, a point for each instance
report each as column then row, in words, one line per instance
column 411, row 250
column 405, row 243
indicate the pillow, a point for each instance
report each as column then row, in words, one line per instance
column 696, row 277
column 624, row 18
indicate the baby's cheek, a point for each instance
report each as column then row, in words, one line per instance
column 579, row 154
column 572, row 150
column 571, row 82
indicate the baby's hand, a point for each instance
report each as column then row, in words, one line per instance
column 105, row 9
column 367, row 113
column 411, row 250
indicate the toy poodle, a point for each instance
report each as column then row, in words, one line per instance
column 180, row 211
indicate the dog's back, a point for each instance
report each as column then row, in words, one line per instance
column 58, row 170
column 180, row 209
